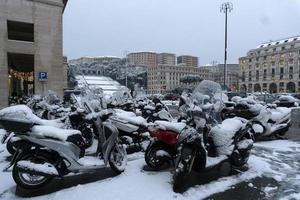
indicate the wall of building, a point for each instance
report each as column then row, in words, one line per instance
column 163, row 79
column 273, row 67
column 47, row 47
column 190, row 61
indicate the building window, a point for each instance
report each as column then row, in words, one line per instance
column 273, row 64
column 264, row 85
column 281, row 70
column 273, row 72
column 281, row 84
column 274, row 49
column 257, row 75
column 20, row 31
column 291, row 69
column 250, row 76
column 265, row 74
column 282, row 48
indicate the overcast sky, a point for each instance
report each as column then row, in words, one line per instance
column 195, row 27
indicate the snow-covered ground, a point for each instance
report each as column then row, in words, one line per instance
column 279, row 160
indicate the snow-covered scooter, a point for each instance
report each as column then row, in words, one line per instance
column 46, row 152
column 271, row 122
column 201, row 149
column 268, row 120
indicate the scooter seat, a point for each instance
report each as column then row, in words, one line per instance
column 25, row 114
column 280, row 113
column 53, row 132
column 171, row 126
column 131, row 118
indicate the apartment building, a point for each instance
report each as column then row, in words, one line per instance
column 190, row 61
column 166, row 59
column 148, row 59
column 163, row 79
column 273, row 67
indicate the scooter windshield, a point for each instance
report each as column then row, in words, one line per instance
column 208, row 95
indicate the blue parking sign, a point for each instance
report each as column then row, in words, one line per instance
column 43, row 76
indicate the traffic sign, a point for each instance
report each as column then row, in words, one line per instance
column 43, row 76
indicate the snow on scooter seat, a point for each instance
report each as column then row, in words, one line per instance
column 46, row 168
column 171, row 126
column 280, row 113
column 53, row 132
column 130, row 117
column 223, row 133
column 24, row 113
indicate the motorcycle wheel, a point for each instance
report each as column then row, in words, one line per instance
column 152, row 160
column 10, row 147
column 30, row 181
column 117, row 158
column 179, row 177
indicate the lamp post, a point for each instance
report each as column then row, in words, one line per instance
column 126, row 65
column 226, row 8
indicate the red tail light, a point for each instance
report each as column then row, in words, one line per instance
column 167, row 137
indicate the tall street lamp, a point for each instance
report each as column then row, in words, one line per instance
column 226, row 8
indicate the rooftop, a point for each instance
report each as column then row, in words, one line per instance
column 278, row 42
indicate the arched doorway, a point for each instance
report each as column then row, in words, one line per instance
column 257, row 88
column 291, row 87
column 273, row 88
column 243, row 88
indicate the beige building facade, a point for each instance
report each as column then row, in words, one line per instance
column 273, row 67
column 163, row 79
column 166, row 59
column 190, row 61
column 164, row 73
column 148, row 59
column 31, row 48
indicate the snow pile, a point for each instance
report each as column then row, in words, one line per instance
column 223, row 133
column 236, row 99
column 287, row 98
column 171, row 126
column 20, row 113
column 53, row 132
column 245, row 144
column 131, row 118
column 91, row 161
column 212, row 161
column 279, row 113
column 24, row 113
column 46, row 168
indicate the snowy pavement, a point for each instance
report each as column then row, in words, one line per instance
column 276, row 163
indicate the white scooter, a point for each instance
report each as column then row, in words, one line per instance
column 271, row 121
